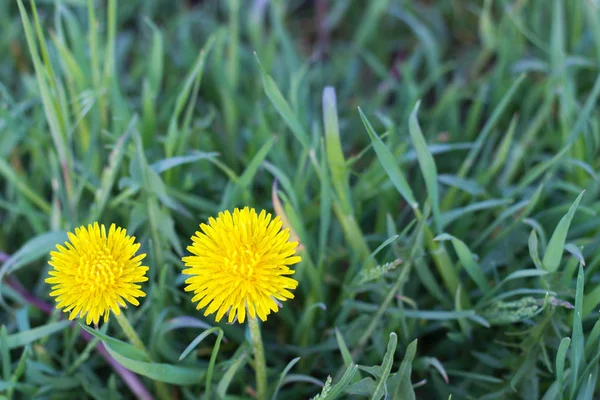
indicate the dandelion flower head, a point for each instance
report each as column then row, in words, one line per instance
column 240, row 264
column 94, row 272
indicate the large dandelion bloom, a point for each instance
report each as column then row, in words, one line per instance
column 240, row 264
column 96, row 272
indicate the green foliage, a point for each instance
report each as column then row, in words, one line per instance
column 430, row 157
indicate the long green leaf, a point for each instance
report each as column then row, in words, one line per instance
column 427, row 165
column 333, row 147
column 560, row 360
column 577, row 339
column 346, row 355
column 282, row 106
column 386, row 367
column 32, row 250
column 192, row 81
column 389, row 163
column 24, row 338
column 131, row 358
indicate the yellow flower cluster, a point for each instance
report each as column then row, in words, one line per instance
column 240, row 265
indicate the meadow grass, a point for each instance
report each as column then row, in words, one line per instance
column 436, row 161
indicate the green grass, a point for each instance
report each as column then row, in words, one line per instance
column 430, row 156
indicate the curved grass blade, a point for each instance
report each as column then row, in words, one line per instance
column 389, row 163
column 468, row 261
column 131, row 358
column 282, row 106
column 282, row 376
column 197, row 341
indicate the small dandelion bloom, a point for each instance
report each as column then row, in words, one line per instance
column 240, row 264
column 96, row 272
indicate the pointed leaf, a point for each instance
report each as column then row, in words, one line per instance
column 389, row 163
column 426, row 163
column 134, row 360
column 554, row 252
column 404, row 390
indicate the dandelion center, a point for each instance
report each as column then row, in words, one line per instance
column 97, row 271
column 240, row 263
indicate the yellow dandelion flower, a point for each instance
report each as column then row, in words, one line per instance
column 239, row 264
column 95, row 272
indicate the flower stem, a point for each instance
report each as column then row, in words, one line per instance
column 260, row 365
column 161, row 388
column 131, row 334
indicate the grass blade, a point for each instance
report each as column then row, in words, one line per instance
column 134, row 360
column 386, row 367
column 389, row 163
column 468, row 261
column 577, row 355
column 427, row 165
column 21, row 339
column 405, row 390
column 282, row 106
column 556, row 246
column 561, row 354
column 333, row 146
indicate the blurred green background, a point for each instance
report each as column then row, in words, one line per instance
column 448, row 209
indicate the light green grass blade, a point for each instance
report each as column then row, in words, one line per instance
column 561, row 354
column 427, row 165
column 228, row 375
column 577, row 339
column 50, row 107
column 468, row 261
column 346, row 356
column 554, row 252
column 194, row 343
column 333, row 146
column 282, row 106
column 35, row 248
column 189, row 88
column 404, row 389
column 134, row 360
column 336, row 391
column 247, row 176
column 325, row 210
column 282, row 376
column 21, row 339
column 389, row 163
column 109, row 175
column 213, row 360
column 386, row 368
